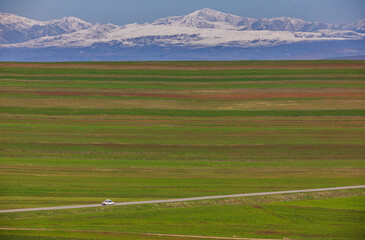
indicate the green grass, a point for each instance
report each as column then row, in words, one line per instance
column 354, row 203
column 165, row 142
column 176, row 72
column 276, row 216
column 78, row 83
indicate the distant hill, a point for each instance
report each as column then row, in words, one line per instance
column 200, row 35
column 357, row 57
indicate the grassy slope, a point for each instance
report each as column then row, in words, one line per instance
column 135, row 134
column 327, row 215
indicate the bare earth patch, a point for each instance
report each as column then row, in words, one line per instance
column 230, row 96
column 175, row 236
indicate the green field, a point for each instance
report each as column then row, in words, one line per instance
column 78, row 133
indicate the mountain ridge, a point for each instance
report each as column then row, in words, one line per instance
column 17, row 29
column 204, row 28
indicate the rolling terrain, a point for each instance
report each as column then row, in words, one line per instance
column 78, row 133
column 205, row 34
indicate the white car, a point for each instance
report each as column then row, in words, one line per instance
column 107, row 202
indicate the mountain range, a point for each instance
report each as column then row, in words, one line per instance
column 202, row 35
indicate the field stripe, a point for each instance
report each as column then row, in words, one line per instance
column 179, row 112
column 185, row 199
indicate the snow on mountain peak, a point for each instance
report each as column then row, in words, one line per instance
column 358, row 26
column 274, row 24
column 216, row 16
column 205, row 18
column 209, row 18
column 71, row 20
column 16, row 29
column 205, row 27
column 14, row 21
column 70, row 23
column 209, row 14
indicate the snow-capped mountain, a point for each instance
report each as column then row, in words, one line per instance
column 201, row 29
column 205, row 18
column 358, row 26
column 15, row 29
column 208, row 18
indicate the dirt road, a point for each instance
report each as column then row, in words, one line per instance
column 184, row 199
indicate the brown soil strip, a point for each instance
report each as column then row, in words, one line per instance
column 52, row 170
column 337, row 76
column 23, row 229
column 145, row 234
column 199, row 91
column 200, row 237
column 166, row 67
column 183, row 146
column 227, row 96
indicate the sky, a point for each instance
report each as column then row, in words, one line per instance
column 123, row 12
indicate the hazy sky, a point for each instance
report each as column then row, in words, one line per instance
column 130, row 11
